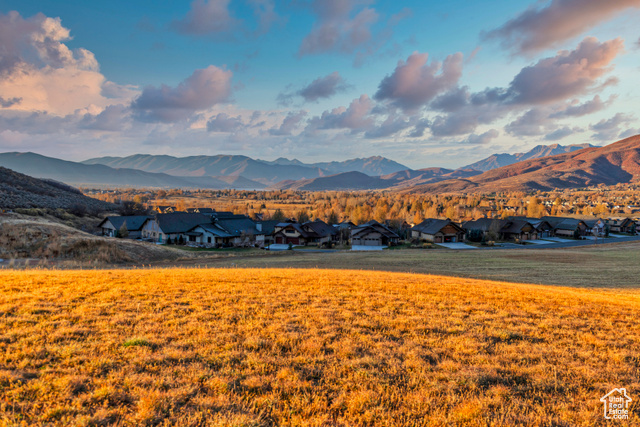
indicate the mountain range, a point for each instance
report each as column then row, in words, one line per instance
column 505, row 159
column 575, row 166
column 612, row 164
column 257, row 171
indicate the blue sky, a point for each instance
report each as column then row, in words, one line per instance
column 422, row 82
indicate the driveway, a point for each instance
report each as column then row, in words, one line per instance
column 539, row 242
column 559, row 240
column 279, row 247
column 366, row 248
column 456, row 246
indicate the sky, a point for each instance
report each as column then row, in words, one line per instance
column 425, row 83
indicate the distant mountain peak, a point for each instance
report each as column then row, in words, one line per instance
column 505, row 159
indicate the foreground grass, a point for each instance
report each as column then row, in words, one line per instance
column 585, row 267
column 308, row 347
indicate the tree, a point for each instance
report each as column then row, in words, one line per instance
column 303, row 216
column 333, row 218
column 278, row 215
column 123, row 232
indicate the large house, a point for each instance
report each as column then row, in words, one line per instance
column 519, row 229
column 373, row 233
column 172, row 227
column 438, row 231
column 566, row 227
column 621, row 225
column 311, row 232
column 112, row 225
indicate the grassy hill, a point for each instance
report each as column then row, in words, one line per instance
column 308, row 347
column 22, row 191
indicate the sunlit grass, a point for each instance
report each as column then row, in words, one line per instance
column 308, row 347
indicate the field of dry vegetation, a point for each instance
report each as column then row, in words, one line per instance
column 197, row 347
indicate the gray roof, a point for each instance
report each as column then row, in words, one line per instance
column 133, row 222
column 180, row 222
column 238, row 226
column 321, row 228
column 431, row 225
column 484, row 224
column 211, row 228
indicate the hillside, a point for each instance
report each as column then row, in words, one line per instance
column 504, row 159
column 270, row 347
column 359, row 181
column 100, row 175
column 22, row 191
column 612, row 164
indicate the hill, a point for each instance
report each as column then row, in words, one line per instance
column 612, row 164
column 504, row 159
column 100, row 175
column 308, row 347
column 22, row 191
column 359, row 181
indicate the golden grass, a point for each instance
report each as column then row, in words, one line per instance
column 308, row 347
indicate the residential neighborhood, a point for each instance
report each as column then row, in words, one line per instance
column 207, row 228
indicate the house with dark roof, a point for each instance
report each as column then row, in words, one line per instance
column 566, row 227
column 595, row 227
column 518, row 229
column 543, row 227
column 292, row 233
column 489, row 228
column 315, row 232
column 373, row 233
column 438, row 231
column 172, row 226
column 621, row 225
column 112, row 225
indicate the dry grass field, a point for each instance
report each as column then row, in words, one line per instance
column 248, row 347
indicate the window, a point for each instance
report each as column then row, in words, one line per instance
column 208, row 239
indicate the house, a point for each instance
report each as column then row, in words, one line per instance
column 543, row 228
column 112, row 225
column 292, row 233
column 373, row 233
column 621, row 225
column 311, row 232
column 438, row 231
column 595, row 227
column 268, row 228
column 566, row 227
column 518, row 229
column 172, row 227
column 243, row 229
column 488, row 228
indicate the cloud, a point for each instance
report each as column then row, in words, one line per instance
column 414, row 83
column 114, row 118
column 548, row 24
column 355, row 117
column 289, row 124
column 390, row 126
column 336, row 29
column 569, row 73
column 588, row 107
column 203, row 89
column 563, row 132
column 6, row 103
column 541, row 89
column 629, row 132
column 322, row 87
column 222, row 122
column 609, row 129
column 38, row 71
column 206, row 17
column 265, row 13
column 481, row 139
